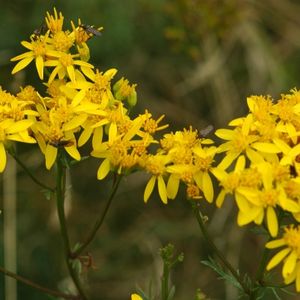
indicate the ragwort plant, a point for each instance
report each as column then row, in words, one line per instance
column 259, row 156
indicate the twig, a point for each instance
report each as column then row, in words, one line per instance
column 37, row 286
column 99, row 222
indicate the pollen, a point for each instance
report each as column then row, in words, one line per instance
column 39, row 48
column 54, row 23
column 118, row 151
column 241, row 142
column 62, row 41
column 250, row 178
column 102, row 81
column 54, row 134
column 187, row 177
column 269, row 198
column 5, row 97
column 231, row 182
column 154, row 165
column 66, row 60
column 28, row 94
column 204, row 163
column 193, row 192
column 292, row 238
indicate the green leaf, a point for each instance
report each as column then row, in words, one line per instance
column 171, row 293
column 211, row 263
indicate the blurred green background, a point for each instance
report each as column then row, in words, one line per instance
column 196, row 62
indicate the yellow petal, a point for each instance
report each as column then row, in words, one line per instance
column 21, row 65
column 162, row 189
column 265, row 147
column 227, row 160
column 275, row 244
column 277, row 258
column 39, row 63
column 225, row 134
column 19, row 126
column 240, row 164
column 75, row 122
column 136, row 297
column 97, row 137
column 254, row 156
column 242, row 203
column 298, row 278
column 289, row 264
column 220, row 198
column 272, row 222
column 172, row 186
column 149, row 188
column 103, row 169
column 27, row 45
column 207, row 187
column 71, row 73
column 73, row 152
column 85, row 135
column 112, row 133
column 2, row 157
column 50, row 156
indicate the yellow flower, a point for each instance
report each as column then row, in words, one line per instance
column 136, row 297
column 54, row 22
column 119, row 151
column 264, row 201
column 57, row 126
column 64, row 65
column 239, row 141
column 14, row 131
column 39, row 51
column 290, row 255
column 156, row 165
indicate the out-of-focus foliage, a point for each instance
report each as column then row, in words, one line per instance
column 224, row 50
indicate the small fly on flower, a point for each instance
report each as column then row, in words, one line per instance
column 61, row 143
column 90, row 30
column 42, row 30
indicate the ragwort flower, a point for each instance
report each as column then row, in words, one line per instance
column 289, row 255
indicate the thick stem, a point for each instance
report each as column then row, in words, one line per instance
column 60, row 193
column 98, row 222
column 216, row 250
column 37, row 286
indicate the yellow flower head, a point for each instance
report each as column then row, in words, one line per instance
column 54, row 22
column 290, row 255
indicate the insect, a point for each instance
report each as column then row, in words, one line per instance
column 42, row 30
column 61, row 143
column 90, row 29
column 206, row 131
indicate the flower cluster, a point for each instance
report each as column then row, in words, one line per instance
column 261, row 169
column 259, row 158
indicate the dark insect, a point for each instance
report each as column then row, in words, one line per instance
column 42, row 30
column 293, row 171
column 206, row 131
column 61, row 143
column 90, row 29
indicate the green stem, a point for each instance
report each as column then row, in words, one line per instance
column 165, row 283
column 98, row 222
column 37, row 286
column 27, row 171
column 262, row 266
column 60, row 191
column 214, row 248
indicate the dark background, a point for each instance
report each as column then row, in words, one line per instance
column 196, row 62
